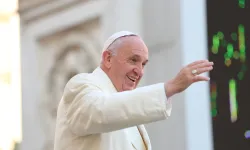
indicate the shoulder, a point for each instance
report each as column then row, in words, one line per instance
column 81, row 79
column 79, row 84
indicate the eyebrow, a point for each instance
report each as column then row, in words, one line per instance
column 138, row 57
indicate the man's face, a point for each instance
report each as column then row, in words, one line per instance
column 127, row 65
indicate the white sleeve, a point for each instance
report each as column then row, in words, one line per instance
column 89, row 110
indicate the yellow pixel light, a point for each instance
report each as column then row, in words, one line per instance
column 10, row 88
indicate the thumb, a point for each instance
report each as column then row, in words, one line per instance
column 201, row 78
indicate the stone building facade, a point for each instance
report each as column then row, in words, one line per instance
column 61, row 38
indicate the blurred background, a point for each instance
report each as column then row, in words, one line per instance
column 44, row 43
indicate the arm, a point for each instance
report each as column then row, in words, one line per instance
column 90, row 111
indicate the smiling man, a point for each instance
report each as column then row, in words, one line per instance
column 104, row 110
column 124, row 62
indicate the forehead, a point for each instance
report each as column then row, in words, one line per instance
column 132, row 45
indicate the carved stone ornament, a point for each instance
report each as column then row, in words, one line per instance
column 76, row 52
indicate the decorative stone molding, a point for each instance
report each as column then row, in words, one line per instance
column 31, row 11
column 68, row 53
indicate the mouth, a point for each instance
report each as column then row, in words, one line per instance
column 132, row 79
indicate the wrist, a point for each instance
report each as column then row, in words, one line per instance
column 169, row 89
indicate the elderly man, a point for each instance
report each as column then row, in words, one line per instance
column 104, row 110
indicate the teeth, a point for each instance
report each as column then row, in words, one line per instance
column 131, row 78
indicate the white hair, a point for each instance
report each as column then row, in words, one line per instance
column 115, row 40
column 114, row 46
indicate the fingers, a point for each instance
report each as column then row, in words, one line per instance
column 196, row 63
column 203, row 67
column 200, row 78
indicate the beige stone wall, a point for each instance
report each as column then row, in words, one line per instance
column 55, row 47
column 34, row 10
column 64, row 37
column 61, row 56
column 30, row 4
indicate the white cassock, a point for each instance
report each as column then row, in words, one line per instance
column 92, row 115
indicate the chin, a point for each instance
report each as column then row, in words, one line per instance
column 128, row 88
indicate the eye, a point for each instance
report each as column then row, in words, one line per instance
column 133, row 60
column 144, row 63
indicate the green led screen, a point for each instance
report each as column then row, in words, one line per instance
column 228, row 28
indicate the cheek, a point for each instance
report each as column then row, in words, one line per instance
column 129, row 69
column 121, row 71
column 124, row 68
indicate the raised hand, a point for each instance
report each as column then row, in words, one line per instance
column 188, row 75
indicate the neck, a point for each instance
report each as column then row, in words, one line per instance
column 104, row 69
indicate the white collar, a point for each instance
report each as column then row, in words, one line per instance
column 103, row 79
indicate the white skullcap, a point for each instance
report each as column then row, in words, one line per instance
column 116, row 36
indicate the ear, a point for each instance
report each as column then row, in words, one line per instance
column 106, row 57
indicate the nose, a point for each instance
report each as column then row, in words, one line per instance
column 139, row 71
